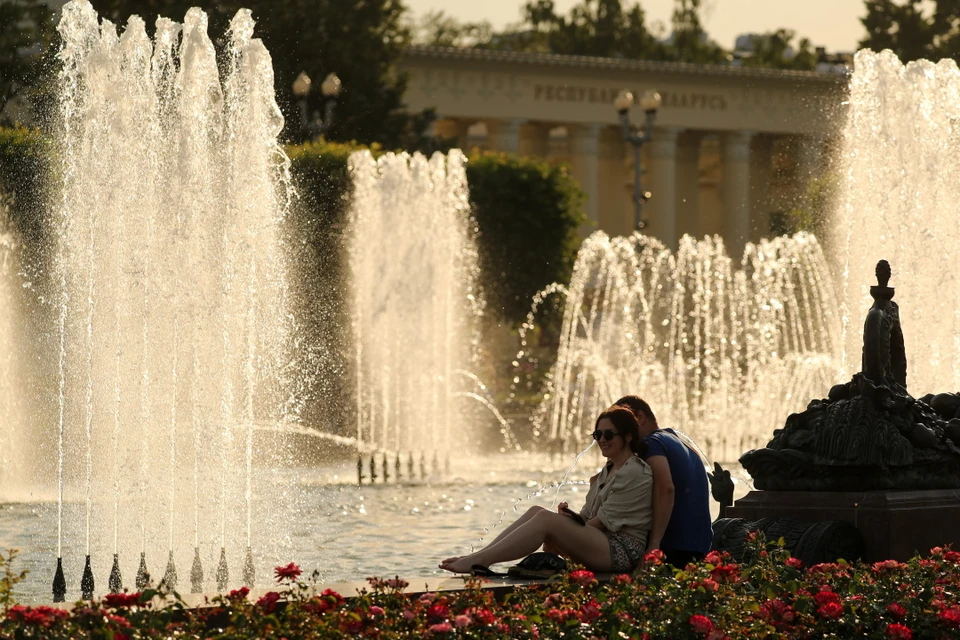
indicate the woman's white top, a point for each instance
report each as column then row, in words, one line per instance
column 622, row 499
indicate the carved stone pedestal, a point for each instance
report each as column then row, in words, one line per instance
column 894, row 524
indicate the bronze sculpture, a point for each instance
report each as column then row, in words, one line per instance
column 869, row 433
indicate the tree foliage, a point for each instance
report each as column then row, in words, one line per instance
column 776, row 50
column 361, row 45
column 26, row 36
column 614, row 29
column 913, row 29
column 592, row 28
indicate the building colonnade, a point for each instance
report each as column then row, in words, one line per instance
column 731, row 183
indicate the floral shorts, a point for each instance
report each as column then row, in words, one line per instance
column 626, row 551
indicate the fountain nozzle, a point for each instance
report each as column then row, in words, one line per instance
column 170, row 576
column 249, row 575
column 196, row 573
column 116, row 580
column 143, row 576
column 59, row 583
column 223, row 573
column 86, row 582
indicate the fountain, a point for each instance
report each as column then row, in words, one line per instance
column 171, row 270
column 898, row 201
column 415, row 305
column 721, row 350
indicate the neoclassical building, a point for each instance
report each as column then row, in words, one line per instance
column 733, row 148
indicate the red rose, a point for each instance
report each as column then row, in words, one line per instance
column 269, row 601
column 589, row 612
column 886, row 565
column 729, row 572
column 701, row 624
column 438, row 611
column 484, row 616
column 713, row 558
column 709, row 585
column 442, row 627
column 826, row 596
column 583, row 577
column 655, row 557
column 121, row 600
column 896, row 610
column 289, row 572
column 119, row 621
column 556, row 615
column 794, row 563
column 899, row 631
column 950, row 616
column 831, row 610
column 951, row 556
column 238, row 594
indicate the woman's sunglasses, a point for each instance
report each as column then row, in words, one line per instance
column 606, row 434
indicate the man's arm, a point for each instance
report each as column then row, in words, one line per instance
column 663, row 491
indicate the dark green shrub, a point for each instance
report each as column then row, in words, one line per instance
column 24, row 157
column 528, row 212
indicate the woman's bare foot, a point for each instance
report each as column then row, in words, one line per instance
column 460, row 565
column 449, row 560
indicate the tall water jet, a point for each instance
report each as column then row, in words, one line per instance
column 171, row 266
column 720, row 350
column 415, row 305
column 898, row 200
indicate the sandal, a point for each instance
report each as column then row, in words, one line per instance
column 538, row 565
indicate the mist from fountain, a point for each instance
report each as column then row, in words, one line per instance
column 12, row 408
column 721, row 351
column 171, row 267
column 414, row 302
column 898, row 201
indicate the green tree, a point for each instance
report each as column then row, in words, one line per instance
column 773, row 50
column 26, row 36
column 690, row 42
column 593, row 28
column 362, row 45
column 438, row 29
column 912, row 30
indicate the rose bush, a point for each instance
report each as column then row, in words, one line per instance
column 772, row 596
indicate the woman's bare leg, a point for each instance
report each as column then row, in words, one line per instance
column 584, row 544
column 529, row 513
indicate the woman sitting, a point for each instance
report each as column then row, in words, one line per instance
column 618, row 511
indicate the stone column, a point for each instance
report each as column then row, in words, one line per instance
column 455, row 129
column 615, row 210
column 661, row 209
column 504, row 135
column 736, row 191
column 584, row 160
column 688, row 185
column 535, row 139
column 761, row 174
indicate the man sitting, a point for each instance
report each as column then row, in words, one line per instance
column 681, row 497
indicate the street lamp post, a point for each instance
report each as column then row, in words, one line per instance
column 313, row 127
column 650, row 103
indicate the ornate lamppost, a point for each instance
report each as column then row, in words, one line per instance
column 313, row 127
column 650, row 103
